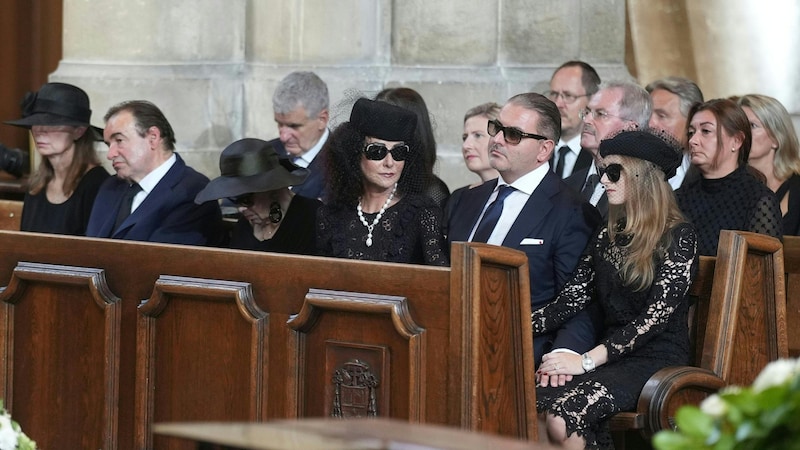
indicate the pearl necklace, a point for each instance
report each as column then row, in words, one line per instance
column 377, row 218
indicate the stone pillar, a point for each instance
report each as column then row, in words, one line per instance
column 212, row 65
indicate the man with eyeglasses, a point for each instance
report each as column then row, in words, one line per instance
column 618, row 105
column 529, row 208
column 571, row 86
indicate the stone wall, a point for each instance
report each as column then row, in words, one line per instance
column 212, row 65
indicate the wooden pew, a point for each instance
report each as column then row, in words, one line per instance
column 791, row 257
column 10, row 214
column 99, row 339
column 739, row 327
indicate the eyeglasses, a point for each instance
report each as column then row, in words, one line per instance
column 566, row 96
column 244, row 200
column 612, row 171
column 599, row 114
column 512, row 135
column 376, row 151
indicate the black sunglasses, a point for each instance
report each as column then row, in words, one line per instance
column 376, row 151
column 612, row 171
column 244, row 200
column 512, row 135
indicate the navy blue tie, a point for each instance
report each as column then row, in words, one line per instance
column 126, row 204
column 492, row 215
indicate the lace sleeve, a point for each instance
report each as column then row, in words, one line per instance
column 767, row 218
column 574, row 296
column 671, row 284
column 432, row 235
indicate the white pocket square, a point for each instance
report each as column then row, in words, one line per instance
column 532, row 241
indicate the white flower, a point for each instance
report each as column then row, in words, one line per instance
column 8, row 437
column 714, row 406
column 776, row 373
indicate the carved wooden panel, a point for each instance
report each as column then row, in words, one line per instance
column 358, row 355
column 60, row 331
column 496, row 380
column 201, row 353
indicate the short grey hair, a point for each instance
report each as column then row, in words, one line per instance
column 635, row 105
column 298, row 89
column 686, row 89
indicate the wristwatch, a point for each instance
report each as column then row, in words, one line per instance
column 587, row 363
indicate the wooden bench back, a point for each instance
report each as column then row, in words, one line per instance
column 10, row 215
column 110, row 337
column 746, row 323
column 791, row 259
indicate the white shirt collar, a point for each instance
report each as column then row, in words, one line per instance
column 305, row 159
column 574, row 145
column 149, row 182
column 528, row 182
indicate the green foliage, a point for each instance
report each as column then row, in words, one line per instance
column 765, row 416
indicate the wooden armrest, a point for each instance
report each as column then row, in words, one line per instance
column 670, row 388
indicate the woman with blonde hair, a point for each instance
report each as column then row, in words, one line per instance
column 775, row 152
column 475, row 149
column 636, row 272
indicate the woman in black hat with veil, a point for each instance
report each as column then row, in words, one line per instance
column 62, row 190
column 257, row 181
column 377, row 209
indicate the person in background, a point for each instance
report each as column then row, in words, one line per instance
column 410, row 99
column 152, row 197
column 637, row 271
column 616, row 106
column 775, row 152
column 377, row 210
column 274, row 219
column 63, row 188
column 673, row 97
column 300, row 107
column 529, row 208
column 571, row 87
column 475, row 149
column 727, row 196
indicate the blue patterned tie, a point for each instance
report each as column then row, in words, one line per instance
column 492, row 215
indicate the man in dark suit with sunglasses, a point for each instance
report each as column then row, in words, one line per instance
column 529, row 208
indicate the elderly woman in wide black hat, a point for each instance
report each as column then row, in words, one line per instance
column 62, row 190
column 257, row 181
column 377, row 209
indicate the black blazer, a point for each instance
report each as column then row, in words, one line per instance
column 552, row 229
column 584, row 159
column 315, row 185
column 167, row 215
column 576, row 182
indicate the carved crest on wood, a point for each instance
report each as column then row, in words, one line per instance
column 354, row 391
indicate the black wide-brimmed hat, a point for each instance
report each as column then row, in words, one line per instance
column 655, row 146
column 383, row 120
column 251, row 165
column 56, row 104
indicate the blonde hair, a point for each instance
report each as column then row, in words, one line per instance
column 778, row 125
column 650, row 211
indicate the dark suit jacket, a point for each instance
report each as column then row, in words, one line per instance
column 167, row 215
column 576, row 182
column 314, row 186
column 561, row 224
column 584, row 159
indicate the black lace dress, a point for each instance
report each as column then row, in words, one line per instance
column 409, row 232
column 738, row 201
column 644, row 331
